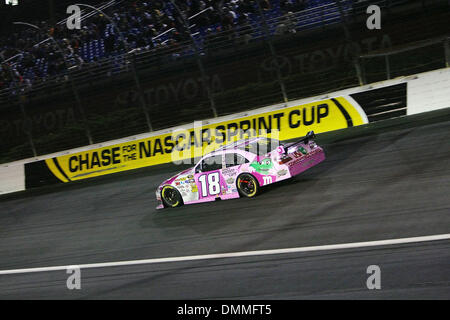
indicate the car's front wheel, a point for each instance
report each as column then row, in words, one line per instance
column 247, row 185
column 171, row 197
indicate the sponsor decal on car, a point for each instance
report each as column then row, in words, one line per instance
column 302, row 150
column 267, row 180
column 284, row 160
column 229, row 172
column 262, row 167
column 301, row 157
column 308, row 162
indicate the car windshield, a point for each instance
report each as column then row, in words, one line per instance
column 261, row 146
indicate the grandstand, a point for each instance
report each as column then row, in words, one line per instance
column 34, row 60
column 156, row 68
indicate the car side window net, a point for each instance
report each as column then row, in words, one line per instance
column 210, row 164
column 234, row 159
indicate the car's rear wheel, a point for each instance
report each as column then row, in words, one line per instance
column 171, row 197
column 247, row 185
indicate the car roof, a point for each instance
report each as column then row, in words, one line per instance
column 237, row 144
column 234, row 146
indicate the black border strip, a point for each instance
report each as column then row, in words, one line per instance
column 344, row 112
column 55, row 161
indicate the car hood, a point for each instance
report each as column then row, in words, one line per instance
column 179, row 175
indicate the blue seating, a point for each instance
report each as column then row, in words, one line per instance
column 95, row 49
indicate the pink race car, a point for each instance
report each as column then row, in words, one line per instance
column 238, row 170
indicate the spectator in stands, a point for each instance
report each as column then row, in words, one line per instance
column 140, row 21
column 265, row 5
column 243, row 30
column 292, row 5
column 287, row 25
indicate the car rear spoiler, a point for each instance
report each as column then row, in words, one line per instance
column 309, row 136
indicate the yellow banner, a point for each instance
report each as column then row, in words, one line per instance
column 288, row 123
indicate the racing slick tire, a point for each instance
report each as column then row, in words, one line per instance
column 247, row 185
column 171, row 197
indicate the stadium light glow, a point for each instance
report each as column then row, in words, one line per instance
column 12, row 2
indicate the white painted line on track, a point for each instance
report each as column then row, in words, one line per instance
column 236, row 254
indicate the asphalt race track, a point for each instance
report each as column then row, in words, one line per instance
column 379, row 184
